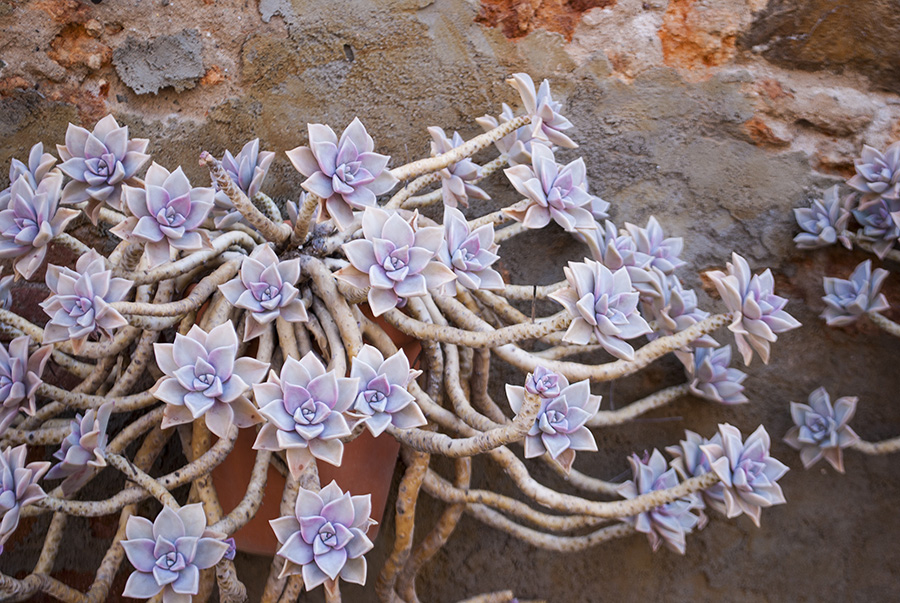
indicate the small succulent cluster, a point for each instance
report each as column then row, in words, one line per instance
column 83, row 448
column 469, row 254
column 847, row 300
column 713, row 379
column 247, row 170
column 325, row 539
column 559, row 428
column 382, row 397
column 457, row 180
column 823, row 224
column 820, row 429
column 20, row 376
column 18, row 487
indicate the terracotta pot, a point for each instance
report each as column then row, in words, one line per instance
column 367, row 468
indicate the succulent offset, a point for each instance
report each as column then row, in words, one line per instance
column 820, row 429
column 847, row 300
column 20, row 376
column 469, row 254
column 382, row 397
column 824, row 223
column 83, row 448
column 457, row 180
column 247, row 170
column 712, row 377
column 18, row 488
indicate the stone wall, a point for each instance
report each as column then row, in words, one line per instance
column 716, row 116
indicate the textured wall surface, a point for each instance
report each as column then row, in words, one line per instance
column 716, row 116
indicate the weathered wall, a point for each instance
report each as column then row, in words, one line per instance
column 716, row 116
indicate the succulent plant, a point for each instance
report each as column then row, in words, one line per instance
column 748, row 473
column 203, row 378
column 551, row 192
column 80, row 304
column 247, row 170
column 546, row 122
column 265, row 288
column 823, row 224
column 516, row 145
column 847, row 300
column 20, row 376
column 545, row 383
column 667, row 524
column 821, row 429
column 303, row 408
column 169, row 553
column 604, row 304
column 18, row 487
column 325, row 539
column 382, row 398
column 469, row 254
column 878, row 173
column 713, row 379
column 39, row 165
column 670, row 306
column 99, row 163
column 615, row 249
column 456, row 179
column 345, row 173
column 166, row 215
column 653, row 248
column 83, row 448
column 689, row 461
column 759, row 313
column 30, row 221
column 559, row 426
column 879, row 224
column 6, row 299
column 394, row 260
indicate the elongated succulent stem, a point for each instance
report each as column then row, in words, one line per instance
column 876, row 448
column 605, row 418
column 305, row 215
column 885, row 324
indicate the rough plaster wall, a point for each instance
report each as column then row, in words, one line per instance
column 716, row 116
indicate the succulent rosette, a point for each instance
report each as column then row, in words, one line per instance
column 247, row 170
column 303, row 407
column 879, row 219
column 847, row 300
column 824, row 223
column 99, row 163
column 515, row 145
column 689, row 461
column 552, row 192
column 603, row 304
column 712, row 378
column 345, row 173
column 821, row 429
column 325, row 539
column 83, row 448
column 166, row 214
column 469, row 254
column 20, row 376
column 667, row 524
column 559, row 427
column 878, row 173
column 394, row 260
column 547, row 124
column 80, row 304
column 759, row 313
column 6, row 283
column 747, row 471
column 265, row 289
column 653, row 248
column 382, row 398
column 545, row 383
column 18, row 487
column 169, row 553
column 204, row 378
column 457, row 184
column 30, row 220
column 671, row 307
column 612, row 248
column 39, row 165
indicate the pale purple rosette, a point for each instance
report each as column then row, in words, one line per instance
column 547, row 124
column 713, row 379
column 169, row 553
column 456, row 179
column 667, row 524
column 515, row 145
column 847, row 300
column 654, row 249
column 205, row 379
column 30, row 221
column 824, row 223
column 821, row 429
column 265, row 289
column 469, row 254
column 166, row 215
column 345, row 173
column 83, row 448
column 80, row 304
column 39, row 165
column 749, row 474
column 247, row 170
column 689, row 461
column 879, row 220
column 325, row 539
column 18, row 487
column 759, row 313
column 99, row 163
column 552, row 192
column 303, row 408
column 394, row 260
column 382, row 398
column 604, row 305
column 877, row 173
column 20, row 376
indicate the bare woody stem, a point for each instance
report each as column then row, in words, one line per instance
column 304, row 218
column 885, row 324
column 877, row 448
